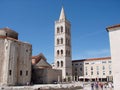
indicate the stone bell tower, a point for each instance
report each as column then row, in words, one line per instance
column 62, row 46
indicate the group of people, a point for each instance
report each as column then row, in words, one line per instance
column 101, row 85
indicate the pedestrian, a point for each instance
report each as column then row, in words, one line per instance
column 96, row 85
column 110, row 85
column 101, row 85
column 92, row 86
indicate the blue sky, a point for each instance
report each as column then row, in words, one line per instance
column 34, row 21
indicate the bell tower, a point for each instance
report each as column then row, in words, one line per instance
column 62, row 46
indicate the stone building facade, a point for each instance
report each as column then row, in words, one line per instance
column 62, row 46
column 94, row 69
column 15, row 58
column 114, row 37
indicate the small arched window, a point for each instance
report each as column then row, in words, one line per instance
column 61, row 52
column 61, row 40
column 57, row 63
column 61, row 63
column 66, row 30
column 69, row 42
column 57, row 52
column 91, row 68
column 66, row 41
column 69, row 53
column 61, row 29
column 58, row 30
column 6, row 34
column 20, row 72
column 57, row 41
column 66, row 52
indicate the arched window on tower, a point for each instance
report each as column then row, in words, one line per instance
column 66, row 52
column 61, row 63
column 66, row 30
column 69, row 53
column 57, row 52
column 58, row 30
column 61, row 40
column 69, row 31
column 61, row 29
column 57, row 63
column 69, row 42
column 66, row 41
column 61, row 52
column 57, row 41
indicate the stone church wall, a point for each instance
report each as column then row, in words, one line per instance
column 46, row 75
column 54, row 75
column 2, row 62
column 24, row 63
column 15, row 68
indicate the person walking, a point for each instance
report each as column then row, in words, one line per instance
column 101, row 85
column 110, row 85
column 96, row 85
column 92, row 86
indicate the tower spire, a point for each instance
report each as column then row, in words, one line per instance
column 62, row 14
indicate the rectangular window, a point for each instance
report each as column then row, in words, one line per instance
column 86, row 68
column 97, row 67
column 103, row 67
column 92, row 63
column 80, row 63
column 109, row 61
column 81, row 69
column 97, row 72
column 76, row 64
column 75, row 73
column 86, row 63
column 103, row 61
column 110, row 72
column 10, row 72
column 75, row 69
column 20, row 72
column 91, row 68
column 26, row 73
column 110, row 67
column 91, row 72
column 66, row 73
column 103, row 72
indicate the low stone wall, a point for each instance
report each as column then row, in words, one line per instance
column 72, row 86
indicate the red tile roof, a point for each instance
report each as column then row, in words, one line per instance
column 36, row 59
column 92, row 59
